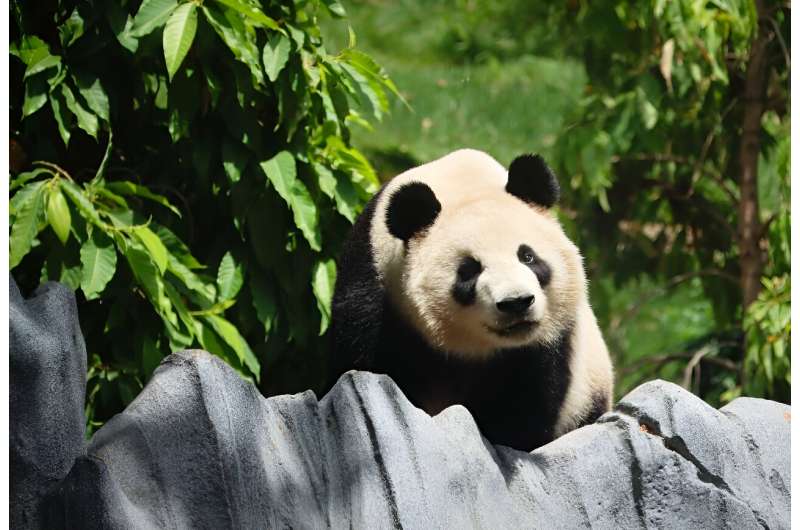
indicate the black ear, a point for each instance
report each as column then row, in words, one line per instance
column 530, row 179
column 411, row 208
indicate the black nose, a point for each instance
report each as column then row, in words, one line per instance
column 515, row 306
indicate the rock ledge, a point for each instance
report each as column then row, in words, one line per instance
column 201, row 448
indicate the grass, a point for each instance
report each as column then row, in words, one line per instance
column 504, row 108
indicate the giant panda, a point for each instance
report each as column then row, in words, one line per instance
column 459, row 283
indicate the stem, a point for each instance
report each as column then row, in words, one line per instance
column 54, row 167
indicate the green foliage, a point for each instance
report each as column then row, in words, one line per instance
column 180, row 135
column 767, row 324
column 639, row 106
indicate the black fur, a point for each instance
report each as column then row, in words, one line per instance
column 530, row 179
column 357, row 307
column 600, row 405
column 412, row 208
column 539, row 267
column 466, row 278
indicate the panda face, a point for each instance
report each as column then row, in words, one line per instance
column 490, row 274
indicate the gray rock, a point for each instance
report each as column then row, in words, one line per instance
column 47, row 379
column 200, row 448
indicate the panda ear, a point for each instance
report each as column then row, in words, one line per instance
column 530, row 179
column 411, row 208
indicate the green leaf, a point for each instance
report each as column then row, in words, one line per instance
column 282, row 173
column 148, row 276
column 275, row 55
column 85, row 206
column 124, row 187
column 96, row 98
column 48, row 61
column 336, row 9
column 157, row 250
column 234, row 159
column 176, row 247
column 86, row 119
column 322, row 283
column 192, row 281
column 252, row 13
column 152, row 14
column 62, row 117
column 24, row 196
column 99, row 260
column 23, row 178
column 231, row 336
column 229, row 26
column 178, row 36
column 121, row 24
column 264, row 302
column 71, row 29
column 325, row 180
column 26, row 223
column 30, row 49
column 229, row 277
column 36, row 89
column 58, row 214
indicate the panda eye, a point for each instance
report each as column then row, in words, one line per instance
column 468, row 269
column 526, row 255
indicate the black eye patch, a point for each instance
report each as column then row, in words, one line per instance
column 466, row 277
column 539, row 267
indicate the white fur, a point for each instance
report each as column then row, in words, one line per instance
column 480, row 219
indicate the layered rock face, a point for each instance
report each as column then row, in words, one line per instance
column 201, row 448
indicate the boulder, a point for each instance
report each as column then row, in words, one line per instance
column 201, row 448
column 47, row 380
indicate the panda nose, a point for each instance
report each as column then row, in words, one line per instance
column 515, row 306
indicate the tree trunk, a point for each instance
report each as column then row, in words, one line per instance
column 749, row 222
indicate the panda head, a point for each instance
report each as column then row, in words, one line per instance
column 489, row 270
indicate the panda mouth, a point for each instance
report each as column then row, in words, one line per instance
column 521, row 327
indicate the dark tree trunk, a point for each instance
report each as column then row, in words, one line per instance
column 749, row 222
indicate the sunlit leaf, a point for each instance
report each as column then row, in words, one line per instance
column 62, row 116
column 96, row 98
column 85, row 206
column 86, row 119
column 124, row 187
column 178, row 35
column 231, row 29
column 229, row 277
column 26, row 223
column 275, row 55
column 157, row 250
column 251, row 12
column 152, row 14
column 282, row 173
column 36, row 89
column 99, row 260
column 322, row 283
column 234, row 339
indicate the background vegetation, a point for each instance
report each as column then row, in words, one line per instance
column 192, row 168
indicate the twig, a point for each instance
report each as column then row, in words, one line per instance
column 661, row 360
column 696, row 358
column 54, row 167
